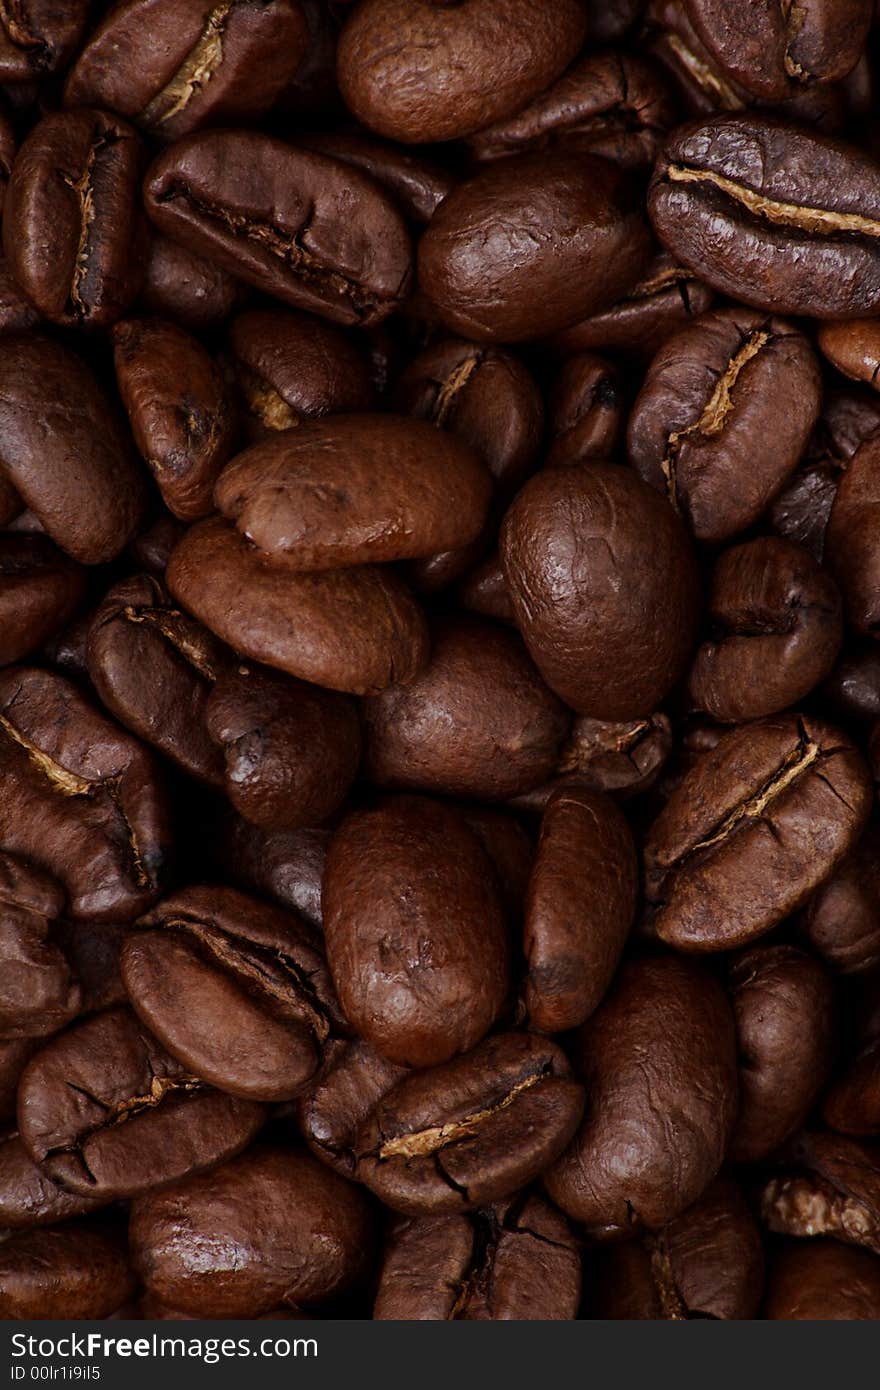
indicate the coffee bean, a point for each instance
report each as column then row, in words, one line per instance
column 185, row 288
column 353, row 1080
column 850, row 539
column 40, row 589
column 821, row 1279
column 37, row 993
column 77, row 1271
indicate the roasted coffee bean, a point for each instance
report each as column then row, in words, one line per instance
column 768, row 48
column 609, row 635
column 477, row 722
column 777, row 624
column 14, row 1054
column 73, row 231
column 79, row 1088
column 420, row 72
column 290, row 751
column 92, row 951
column 40, row 589
column 707, row 1263
column 27, row 1197
column 39, row 37
column 272, row 1227
column 658, row 1058
column 153, row 667
column 773, row 215
column 706, row 428
column 178, row 408
column 417, row 184
column 484, row 590
column 511, row 849
column 579, row 909
column 188, row 63
column 151, row 550
column 308, row 230
column 755, row 826
column 666, row 299
column 514, row 1260
column 852, row 1102
column 851, row 539
column 586, row 411
column 613, row 104
column 356, row 489
column 284, row 865
column 357, row 629
column 841, row 921
column 828, row 1186
column 415, row 933
column 853, row 348
column 353, row 1080
column 783, row 1005
column 74, row 1271
column 853, row 687
column 492, row 261
column 181, row 286
column 289, row 367
column 462, row 1135
column 37, row 993
column 622, row 759
column 823, row 1280
column 64, row 451
column 236, row 989
column 80, row 797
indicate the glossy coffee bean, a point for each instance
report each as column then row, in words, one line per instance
column 235, row 988
column 586, row 411
column 273, row 1226
column 514, row 1260
column 417, row 184
column 773, row 215
column 492, row 262
column 608, row 636
column 658, row 1060
column 74, row 1093
column 419, row 72
column 853, row 348
column 27, row 1197
column 284, row 221
column 462, row 1135
column 72, row 1271
column 352, row 1081
column 755, row 826
column 284, row 865
column 40, row 589
column 415, row 933
column 622, row 758
column 580, row 906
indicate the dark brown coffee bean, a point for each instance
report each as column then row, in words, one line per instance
column 236, row 989
column 356, row 489
column 418, row 185
column 80, row 797
column 609, row 20
column 181, row 286
column 151, row 550
column 777, row 624
column 39, row 37
column 853, row 348
column 92, row 950
column 310, row 231
column 663, row 301
column 273, row 1226
column 14, row 1054
column 621, row 758
column 64, row 451
column 75, row 1093
column 477, row 722
column 284, row 865
column 511, row 849
column 40, row 590
column 353, row 1080
column 73, row 231
column 580, row 907
column 425, row 72
column 465, row 1134
column 658, row 1058
column 828, row 1186
column 289, row 367
column 75, row 1271
column 706, row 427
column 174, row 65
column 415, row 932
column 153, row 667
column 614, row 104
column 27, row 1197
column 754, row 828
column 823, row 1280
column 532, row 245
column 842, row 919
column 852, row 1102
column 773, row 215
column 514, row 1260
column 609, row 634
column 357, row 630
column 11, row 504
column 769, row 48
column 179, row 410
column 707, row 1263
column 586, row 411
column 853, row 687
column 484, row 590
column 851, row 539
column 783, row 1004
column 37, row 992
column 291, row 751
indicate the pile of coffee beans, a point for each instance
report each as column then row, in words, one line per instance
column 440, row 659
